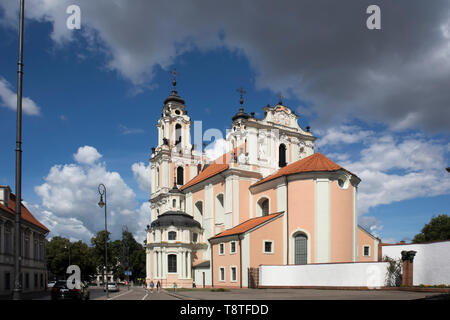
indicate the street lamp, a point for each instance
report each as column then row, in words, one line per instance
column 101, row 204
column 68, row 247
column 17, row 291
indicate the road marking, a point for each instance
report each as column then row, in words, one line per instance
column 146, row 295
column 121, row 294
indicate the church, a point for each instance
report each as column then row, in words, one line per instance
column 270, row 199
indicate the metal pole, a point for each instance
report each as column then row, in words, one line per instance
column 17, row 288
column 106, row 250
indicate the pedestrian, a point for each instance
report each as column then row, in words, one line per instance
column 174, row 287
column 158, row 286
column 193, row 285
column 151, row 286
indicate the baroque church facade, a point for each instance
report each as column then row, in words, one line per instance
column 269, row 199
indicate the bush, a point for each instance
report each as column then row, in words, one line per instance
column 394, row 274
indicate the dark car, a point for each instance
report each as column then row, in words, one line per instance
column 60, row 291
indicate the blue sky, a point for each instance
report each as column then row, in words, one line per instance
column 99, row 92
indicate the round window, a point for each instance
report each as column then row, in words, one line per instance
column 177, row 112
column 343, row 182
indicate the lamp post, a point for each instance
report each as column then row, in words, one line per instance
column 101, row 204
column 17, row 291
column 68, row 247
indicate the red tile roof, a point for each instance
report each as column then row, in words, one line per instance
column 314, row 163
column 247, row 225
column 217, row 166
column 25, row 213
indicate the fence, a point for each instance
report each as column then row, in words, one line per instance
column 362, row 275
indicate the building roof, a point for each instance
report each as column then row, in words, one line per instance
column 246, row 225
column 203, row 264
column 25, row 213
column 316, row 162
column 176, row 219
column 217, row 166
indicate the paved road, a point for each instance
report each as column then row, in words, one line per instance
column 138, row 293
column 133, row 294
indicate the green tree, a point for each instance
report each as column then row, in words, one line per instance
column 61, row 253
column 437, row 229
column 57, row 256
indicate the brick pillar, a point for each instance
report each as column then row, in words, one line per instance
column 407, row 267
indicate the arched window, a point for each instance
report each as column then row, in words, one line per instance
column 174, row 203
column 282, row 155
column 172, row 235
column 177, row 133
column 198, row 208
column 220, row 210
column 157, row 177
column 172, row 263
column 199, row 168
column 263, row 206
column 301, row 248
column 180, row 176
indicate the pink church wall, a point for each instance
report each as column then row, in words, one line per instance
column 271, row 231
column 341, row 206
column 301, row 211
column 271, row 194
column 365, row 239
column 244, row 200
column 226, row 261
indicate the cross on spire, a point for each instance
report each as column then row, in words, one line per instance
column 241, row 92
column 174, row 77
column 280, row 98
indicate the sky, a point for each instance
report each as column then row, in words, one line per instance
column 377, row 100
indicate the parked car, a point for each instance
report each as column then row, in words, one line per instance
column 112, row 286
column 51, row 284
column 60, row 291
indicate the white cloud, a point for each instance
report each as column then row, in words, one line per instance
column 395, row 169
column 141, row 174
column 126, row 131
column 87, row 155
column 216, row 149
column 397, row 77
column 9, row 99
column 371, row 224
column 344, row 134
column 69, row 202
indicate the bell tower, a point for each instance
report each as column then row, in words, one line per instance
column 173, row 162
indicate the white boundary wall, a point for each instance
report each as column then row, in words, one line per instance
column 431, row 263
column 367, row 274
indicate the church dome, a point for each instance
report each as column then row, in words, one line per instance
column 176, row 219
column 240, row 115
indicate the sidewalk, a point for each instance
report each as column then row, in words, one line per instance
column 28, row 295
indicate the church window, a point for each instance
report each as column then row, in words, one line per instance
column 233, row 274
column 199, row 208
column 177, row 112
column 194, row 237
column 263, row 207
column 366, row 251
column 157, row 177
column 282, row 156
column 268, row 246
column 180, row 174
column 233, row 247
column 300, row 247
column 172, row 235
column 174, row 203
column 172, row 263
column 222, row 274
column 177, row 133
